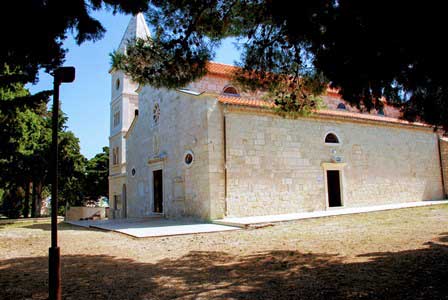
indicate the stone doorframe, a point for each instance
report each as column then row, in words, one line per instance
column 155, row 165
column 334, row 167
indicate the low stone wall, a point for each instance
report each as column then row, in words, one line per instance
column 76, row 213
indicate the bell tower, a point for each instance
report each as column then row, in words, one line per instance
column 124, row 102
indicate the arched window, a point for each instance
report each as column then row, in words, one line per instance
column 115, row 156
column 230, row 90
column 341, row 106
column 331, row 138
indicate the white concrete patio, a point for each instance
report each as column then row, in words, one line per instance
column 247, row 221
column 158, row 226
column 153, row 226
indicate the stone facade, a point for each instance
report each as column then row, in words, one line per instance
column 182, row 126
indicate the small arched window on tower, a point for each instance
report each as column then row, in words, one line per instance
column 116, row 118
column 115, row 156
column 331, row 138
column 230, row 90
column 342, row 106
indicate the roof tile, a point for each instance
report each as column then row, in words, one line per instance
column 258, row 103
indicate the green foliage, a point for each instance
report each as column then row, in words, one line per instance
column 37, row 42
column 25, row 126
column 187, row 32
column 71, row 169
column 160, row 65
column 11, row 204
column 26, row 138
column 97, row 175
column 366, row 49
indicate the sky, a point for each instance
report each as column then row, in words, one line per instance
column 86, row 100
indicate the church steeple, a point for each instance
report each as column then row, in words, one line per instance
column 124, row 102
column 137, row 28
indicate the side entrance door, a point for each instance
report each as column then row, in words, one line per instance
column 158, row 191
column 334, row 188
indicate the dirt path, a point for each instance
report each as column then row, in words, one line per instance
column 401, row 254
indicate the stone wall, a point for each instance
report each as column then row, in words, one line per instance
column 444, row 156
column 216, row 161
column 183, row 126
column 76, row 213
column 116, row 183
column 275, row 165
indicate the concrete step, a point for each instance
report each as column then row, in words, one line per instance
column 245, row 222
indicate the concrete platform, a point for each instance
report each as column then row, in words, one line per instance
column 153, row 226
column 248, row 221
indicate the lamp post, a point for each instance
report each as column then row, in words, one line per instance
column 62, row 74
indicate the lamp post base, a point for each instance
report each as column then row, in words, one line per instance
column 54, row 273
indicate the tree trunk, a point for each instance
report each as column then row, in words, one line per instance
column 33, row 200
column 26, row 202
column 38, row 198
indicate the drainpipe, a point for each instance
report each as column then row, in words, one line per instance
column 441, row 167
column 225, row 163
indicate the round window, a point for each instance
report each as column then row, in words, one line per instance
column 188, row 158
column 133, row 172
column 117, row 84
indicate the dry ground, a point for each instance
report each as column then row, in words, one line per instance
column 400, row 254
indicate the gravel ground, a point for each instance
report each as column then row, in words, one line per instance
column 400, row 254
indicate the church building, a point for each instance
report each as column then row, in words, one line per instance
column 210, row 151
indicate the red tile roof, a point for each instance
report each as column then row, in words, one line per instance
column 228, row 70
column 245, row 101
column 221, row 69
column 258, row 103
column 355, row 115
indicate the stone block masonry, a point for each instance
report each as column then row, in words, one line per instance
column 275, row 164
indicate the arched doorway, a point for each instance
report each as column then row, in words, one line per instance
column 125, row 202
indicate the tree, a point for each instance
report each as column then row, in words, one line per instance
column 24, row 124
column 22, row 129
column 72, row 165
column 366, row 49
column 37, row 42
column 46, row 23
column 25, row 136
column 97, row 173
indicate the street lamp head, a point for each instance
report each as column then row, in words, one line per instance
column 64, row 74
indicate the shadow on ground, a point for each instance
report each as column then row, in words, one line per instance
column 42, row 226
column 414, row 274
column 47, row 226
